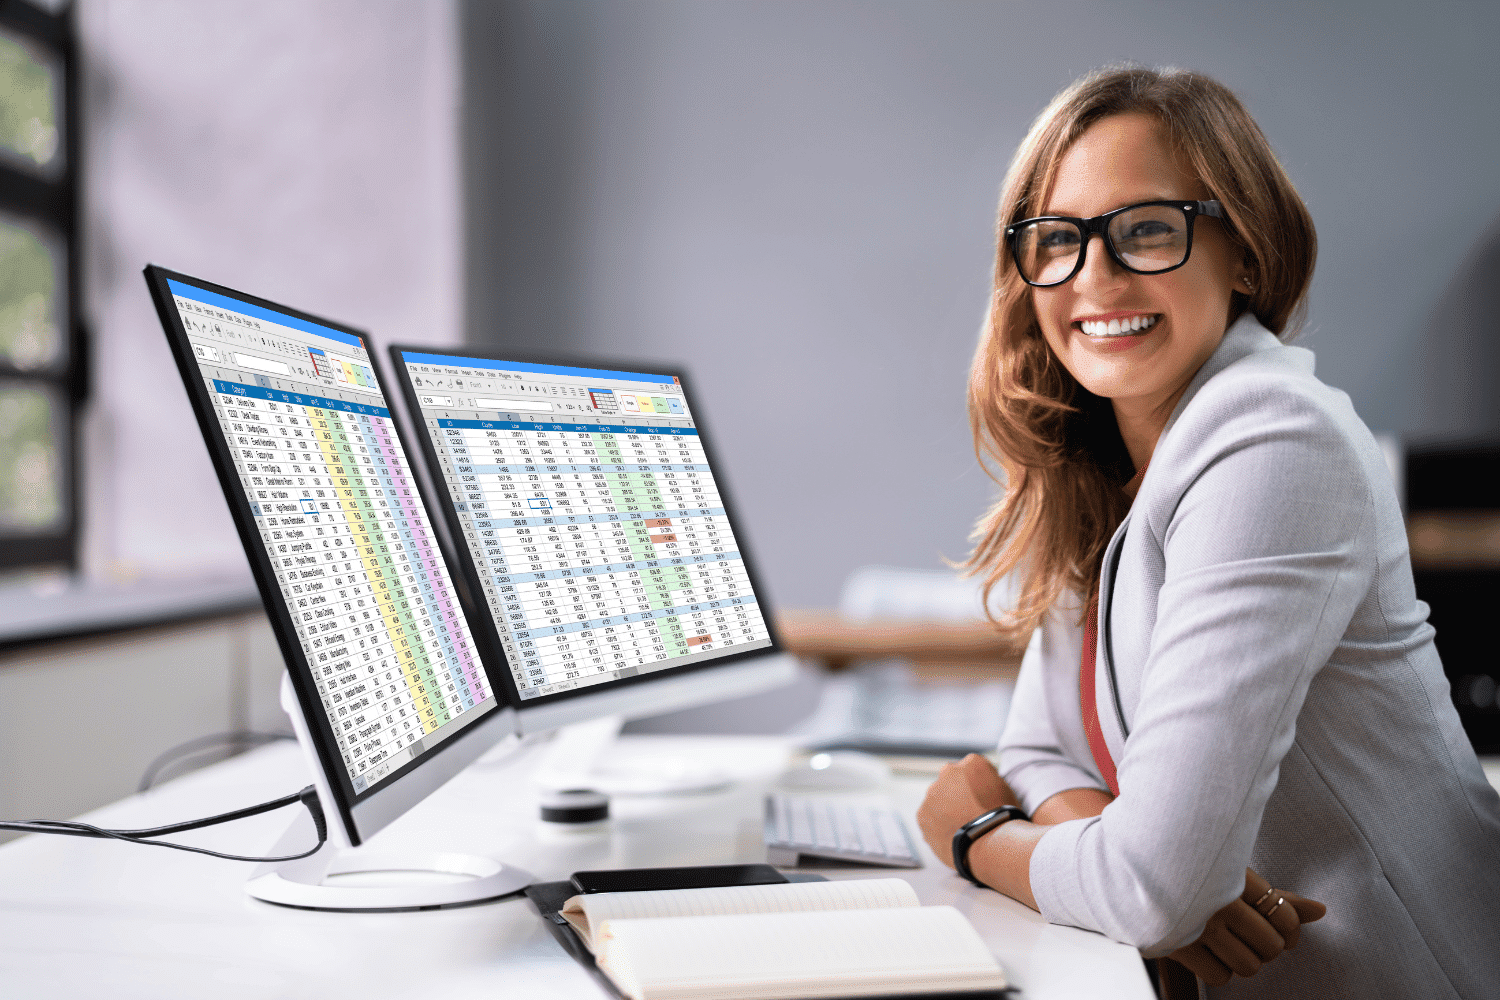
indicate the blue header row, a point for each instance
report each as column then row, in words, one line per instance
column 246, row 309
column 456, row 361
column 297, row 398
column 514, row 425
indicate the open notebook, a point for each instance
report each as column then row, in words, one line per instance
column 858, row 938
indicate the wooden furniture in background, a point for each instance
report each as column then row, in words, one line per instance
column 935, row 648
column 1453, row 527
column 1454, row 539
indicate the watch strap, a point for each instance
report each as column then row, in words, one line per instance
column 976, row 828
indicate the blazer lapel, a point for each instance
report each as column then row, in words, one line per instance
column 1111, row 713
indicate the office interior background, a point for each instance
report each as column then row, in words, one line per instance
column 794, row 200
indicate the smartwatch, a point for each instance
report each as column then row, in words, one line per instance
column 976, row 828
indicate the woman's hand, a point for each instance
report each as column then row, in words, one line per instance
column 1240, row 938
column 964, row 790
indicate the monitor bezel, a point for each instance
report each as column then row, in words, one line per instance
column 351, row 807
column 464, row 558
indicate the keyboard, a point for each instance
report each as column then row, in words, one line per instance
column 837, row 829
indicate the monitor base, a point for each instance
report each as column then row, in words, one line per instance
column 360, row 880
column 585, row 755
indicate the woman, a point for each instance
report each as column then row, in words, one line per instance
column 1261, row 688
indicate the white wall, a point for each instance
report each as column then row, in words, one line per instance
column 304, row 152
column 796, row 200
column 81, row 721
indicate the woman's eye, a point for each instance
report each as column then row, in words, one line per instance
column 1152, row 229
column 1058, row 240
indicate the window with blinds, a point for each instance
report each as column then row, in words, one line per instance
column 41, row 340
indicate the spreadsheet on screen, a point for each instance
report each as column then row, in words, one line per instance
column 338, row 511
column 587, row 505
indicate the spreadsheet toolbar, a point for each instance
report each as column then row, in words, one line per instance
column 333, row 498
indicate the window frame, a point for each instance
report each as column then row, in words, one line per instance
column 53, row 202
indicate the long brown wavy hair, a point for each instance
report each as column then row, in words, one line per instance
column 1057, row 445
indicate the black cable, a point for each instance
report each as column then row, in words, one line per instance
column 245, row 739
column 308, row 797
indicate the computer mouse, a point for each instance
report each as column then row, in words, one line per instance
column 840, row 770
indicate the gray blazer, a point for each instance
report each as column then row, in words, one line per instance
column 1270, row 692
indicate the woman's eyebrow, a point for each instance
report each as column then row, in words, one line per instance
column 1143, row 198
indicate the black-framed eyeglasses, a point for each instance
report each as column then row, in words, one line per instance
column 1150, row 238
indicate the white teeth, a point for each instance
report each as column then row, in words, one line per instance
column 1117, row 327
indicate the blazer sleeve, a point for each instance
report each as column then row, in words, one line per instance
column 1043, row 750
column 1265, row 530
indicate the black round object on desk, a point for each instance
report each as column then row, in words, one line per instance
column 574, row 806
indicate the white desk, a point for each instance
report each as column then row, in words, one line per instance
column 85, row 918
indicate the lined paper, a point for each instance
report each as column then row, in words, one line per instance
column 587, row 912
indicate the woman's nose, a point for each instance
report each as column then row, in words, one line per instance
column 1100, row 271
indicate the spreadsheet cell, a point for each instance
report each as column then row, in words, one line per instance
column 603, row 549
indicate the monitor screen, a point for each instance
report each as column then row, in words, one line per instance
column 589, row 516
column 298, row 411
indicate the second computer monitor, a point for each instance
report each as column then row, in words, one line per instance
column 591, row 522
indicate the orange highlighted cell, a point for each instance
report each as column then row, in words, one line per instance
column 659, row 522
column 699, row 639
column 658, row 539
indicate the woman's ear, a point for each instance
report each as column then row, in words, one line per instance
column 1244, row 282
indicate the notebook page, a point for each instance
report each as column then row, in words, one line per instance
column 766, row 956
column 792, row 897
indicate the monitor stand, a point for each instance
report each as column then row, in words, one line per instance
column 585, row 755
column 359, row 879
column 353, row 879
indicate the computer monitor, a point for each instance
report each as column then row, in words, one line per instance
column 590, row 521
column 393, row 684
column 386, row 687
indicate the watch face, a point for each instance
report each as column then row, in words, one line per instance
column 984, row 824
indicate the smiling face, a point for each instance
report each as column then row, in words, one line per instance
column 1136, row 339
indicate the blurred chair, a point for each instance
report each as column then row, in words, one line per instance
column 915, row 595
column 916, row 669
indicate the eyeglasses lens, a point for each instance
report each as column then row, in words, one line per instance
column 1046, row 251
column 1148, row 239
